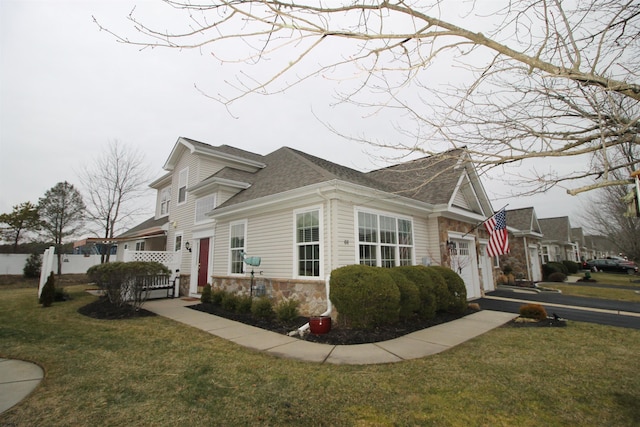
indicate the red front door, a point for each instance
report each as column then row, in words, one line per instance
column 203, row 262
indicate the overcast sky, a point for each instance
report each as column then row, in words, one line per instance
column 67, row 89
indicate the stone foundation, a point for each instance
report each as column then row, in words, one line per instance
column 311, row 294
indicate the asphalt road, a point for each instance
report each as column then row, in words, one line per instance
column 580, row 309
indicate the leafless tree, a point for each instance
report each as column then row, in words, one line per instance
column 112, row 184
column 533, row 73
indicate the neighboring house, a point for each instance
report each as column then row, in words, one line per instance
column 525, row 237
column 557, row 242
column 304, row 217
column 600, row 247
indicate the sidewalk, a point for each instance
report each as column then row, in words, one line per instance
column 412, row 346
column 17, row 380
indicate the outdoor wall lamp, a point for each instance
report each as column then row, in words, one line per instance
column 451, row 246
column 187, row 246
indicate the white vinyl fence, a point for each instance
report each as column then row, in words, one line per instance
column 71, row 264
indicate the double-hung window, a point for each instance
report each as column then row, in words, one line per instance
column 308, row 243
column 237, row 246
column 384, row 240
column 165, row 200
column 204, row 205
column 183, row 178
column 177, row 245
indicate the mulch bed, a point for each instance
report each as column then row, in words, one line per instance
column 337, row 335
column 545, row 323
column 102, row 308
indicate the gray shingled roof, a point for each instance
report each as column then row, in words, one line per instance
column 149, row 225
column 556, row 229
column 288, row 169
column 523, row 219
column 429, row 179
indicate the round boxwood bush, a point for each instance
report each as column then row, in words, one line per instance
column 553, row 267
column 409, row 295
column 572, row 266
column 420, row 276
column 557, row 277
column 364, row 296
column 262, row 308
column 456, row 287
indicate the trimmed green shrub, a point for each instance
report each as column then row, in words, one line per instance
column 262, row 308
column 533, row 311
column 456, row 287
column 48, row 294
column 419, row 275
column 229, row 302
column 557, row 277
column 121, row 282
column 205, row 298
column 553, row 267
column 32, row 267
column 216, row 296
column 572, row 267
column 287, row 310
column 364, row 296
column 409, row 295
column 243, row 304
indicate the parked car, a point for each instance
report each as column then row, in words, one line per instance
column 616, row 265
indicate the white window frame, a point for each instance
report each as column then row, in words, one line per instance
column 183, row 180
column 377, row 243
column 204, row 205
column 297, row 245
column 165, row 201
column 140, row 245
column 232, row 249
column 177, row 246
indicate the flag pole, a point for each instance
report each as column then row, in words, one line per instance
column 478, row 225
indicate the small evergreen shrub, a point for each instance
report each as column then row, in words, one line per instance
column 48, row 294
column 32, row 267
column 533, row 311
column 572, row 267
column 262, row 308
column 557, row 277
column 205, row 298
column 286, row 311
column 61, row 295
column 553, row 267
column 457, row 289
column 229, row 302
column 409, row 295
column 216, row 296
column 364, row 296
column 243, row 304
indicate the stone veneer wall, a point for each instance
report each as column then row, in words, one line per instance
column 516, row 258
column 311, row 294
column 185, row 279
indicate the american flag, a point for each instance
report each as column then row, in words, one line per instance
column 498, row 236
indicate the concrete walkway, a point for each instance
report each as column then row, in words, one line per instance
column 17, row 380
column 412, row 346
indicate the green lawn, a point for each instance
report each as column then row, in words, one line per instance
column 156, row 372
column 594, row 291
